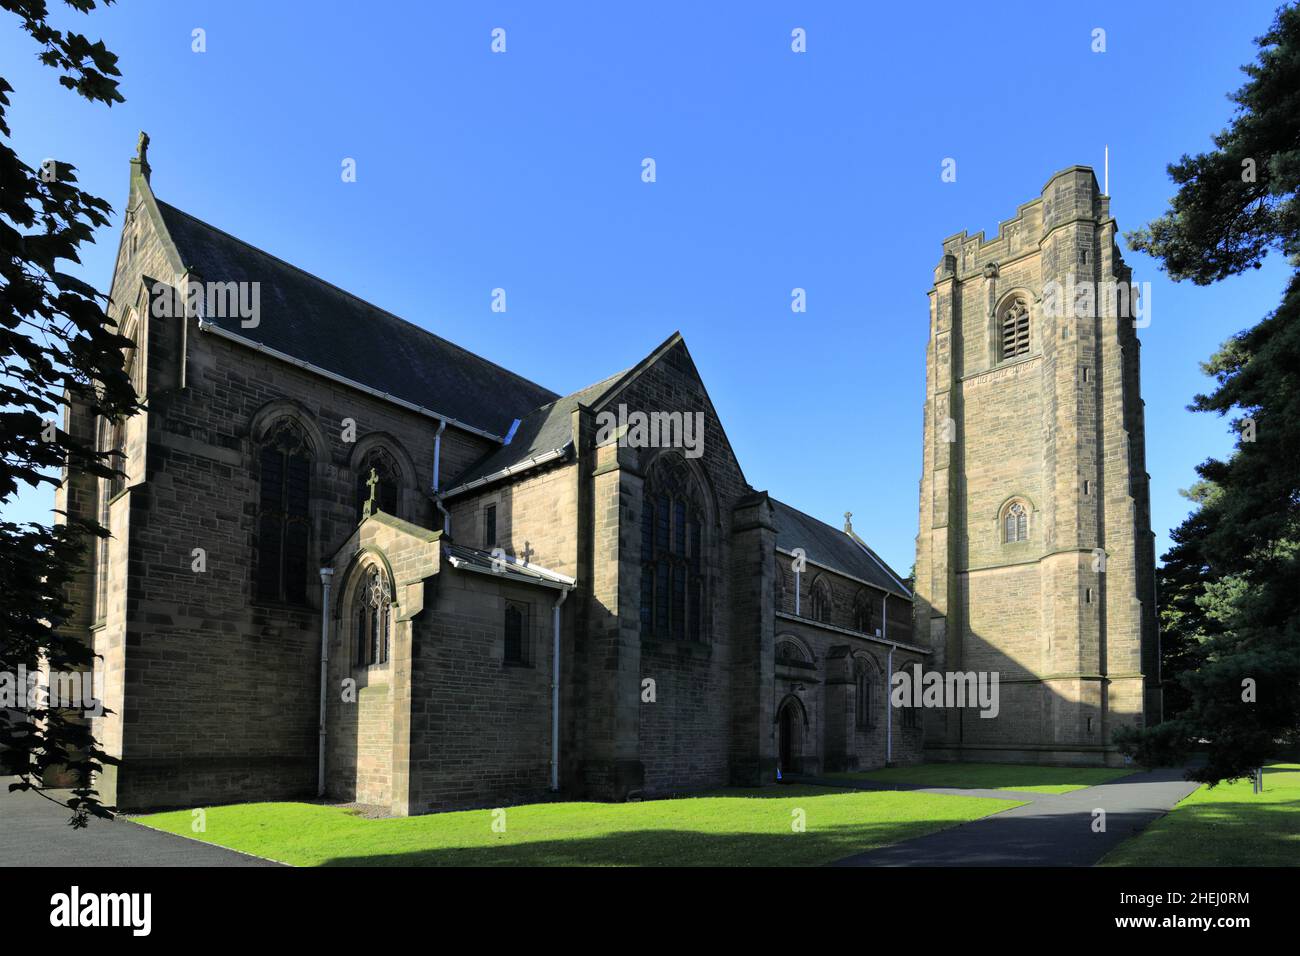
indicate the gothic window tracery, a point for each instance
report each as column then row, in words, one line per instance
column 672, row 554
column 373, row 608
column 1015, row 523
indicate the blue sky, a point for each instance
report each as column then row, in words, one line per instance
column 775, row 170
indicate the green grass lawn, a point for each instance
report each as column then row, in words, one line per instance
column 992, row 776
column 1226, row 825
column 741, row 827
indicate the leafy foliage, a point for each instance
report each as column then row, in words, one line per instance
column 56, row 344
column 1231, row 583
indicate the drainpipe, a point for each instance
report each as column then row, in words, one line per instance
column 326, row 574
column 437, row 464
column 796, row 592
column 555, row 691
column 889, row 709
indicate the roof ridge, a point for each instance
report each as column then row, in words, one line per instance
column 853, row 538
column 871, row 553
column 352, row 295
column 577, row 391
column 786, row 504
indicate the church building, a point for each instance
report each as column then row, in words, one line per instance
column 351, row 558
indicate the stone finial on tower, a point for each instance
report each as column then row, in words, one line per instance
column 142, row 154
column 848, row 522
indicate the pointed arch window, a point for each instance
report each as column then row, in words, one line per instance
column 104, row 442
column 820, row 601
column 1015, row 328
column 1015, row 523
column 864, row 616
column 672, row 554
column 374, row 614
column 387, row 476
column 864, row 715
column 283, row 514
column 116, row 427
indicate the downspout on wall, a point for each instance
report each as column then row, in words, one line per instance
column 889, row 709
column 889, row 681
column 326, row 575
column 437, row 465
column 555, row 690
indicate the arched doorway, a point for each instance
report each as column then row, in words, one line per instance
column 789, row 736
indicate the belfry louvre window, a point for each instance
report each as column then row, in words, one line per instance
column 283, row 515
column 1016, row 523
column 1015, row 329
column 374, row 604
column 672, row 559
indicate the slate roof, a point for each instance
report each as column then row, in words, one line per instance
column 306, row 317
column 832, row 548
column 510, row 569
column 542, row 430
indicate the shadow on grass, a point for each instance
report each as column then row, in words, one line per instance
column 664, row 847
column 980, row 776
column 1219, row 834
column 1227, row 825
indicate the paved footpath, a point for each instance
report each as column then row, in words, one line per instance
column 35, row 832
column 1050, row 830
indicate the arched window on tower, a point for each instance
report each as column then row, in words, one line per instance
column 1015, row 523
column 387, row 477
column 672, row 554
column 283, row 514
column 373, row 606
column 1015, row 328
column 819, row 601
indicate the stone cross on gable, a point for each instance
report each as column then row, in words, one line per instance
column 848, row 522
column 527, row 553
column 372, row 483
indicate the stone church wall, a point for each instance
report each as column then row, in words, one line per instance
column 480, row 727
column 536, row 517
column 683, row 737
column 221, row 688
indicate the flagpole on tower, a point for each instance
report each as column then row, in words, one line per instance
column 1105, row 189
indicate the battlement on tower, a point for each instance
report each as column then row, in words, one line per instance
column 1068, row 195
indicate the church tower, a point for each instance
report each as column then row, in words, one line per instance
column 1035, row 557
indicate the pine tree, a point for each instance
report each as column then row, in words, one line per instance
column 1233, row 575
